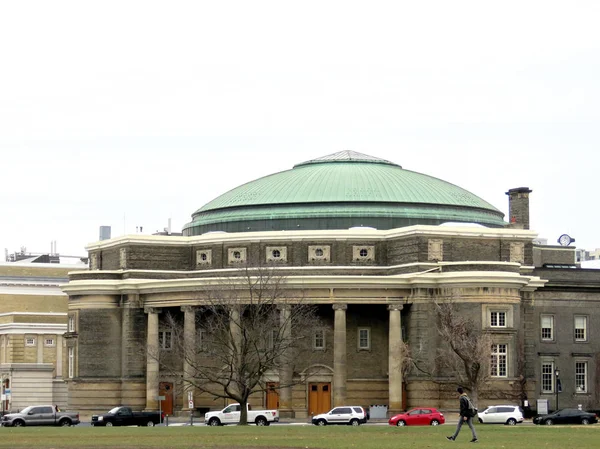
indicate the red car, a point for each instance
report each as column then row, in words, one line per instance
column 418, row 417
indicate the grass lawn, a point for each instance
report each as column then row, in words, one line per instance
column 363, row 437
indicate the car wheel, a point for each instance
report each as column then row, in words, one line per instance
column 64, row 423
column 549, row 422
column 511, row 422
column 261, row 421
column 354, row 422
column 214, row 422
column 480, row 421
column 321, row 422
column 401, row 423
column 585, row 421
column 435, row 422
column 109, row 424
column 18, row 423
column 150, row 424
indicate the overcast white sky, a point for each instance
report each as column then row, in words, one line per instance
column 127, row 113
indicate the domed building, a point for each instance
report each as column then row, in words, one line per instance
column 376, row 248
column 341, row 191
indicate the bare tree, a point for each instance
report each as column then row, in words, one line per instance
column 466, row 349
column 248, row 325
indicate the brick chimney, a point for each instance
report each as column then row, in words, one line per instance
column 518, row 207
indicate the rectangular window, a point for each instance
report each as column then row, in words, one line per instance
column 201, row 339
column 49, row 342
column 272, row 339
column 164, row 340
column 364, row 338
column 71, row 327
column 498, row 367
column 581, row 377
column 580, row 328
column 547, row 377
column 547, row 327
column 498, row 319
column 71, row 362
column 319, row 339
column 29, row 341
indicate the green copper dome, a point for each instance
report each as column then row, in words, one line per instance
column 340, row 191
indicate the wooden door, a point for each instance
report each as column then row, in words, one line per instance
column 319, row 398
column 166, row 389
column 272, row 396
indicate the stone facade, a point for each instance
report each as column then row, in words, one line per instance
column 484, row 271
column 33, row 320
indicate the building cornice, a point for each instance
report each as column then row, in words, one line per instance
column 426, row 279
column 33, row 328
column 317, row 235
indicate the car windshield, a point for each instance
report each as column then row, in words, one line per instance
column 26, row 410
column 112, row 411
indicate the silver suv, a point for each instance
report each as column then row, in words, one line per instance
column 353, row 415
column 501, row 414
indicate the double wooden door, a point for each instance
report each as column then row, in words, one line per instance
column 319, row 398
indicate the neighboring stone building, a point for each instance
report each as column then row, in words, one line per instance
column 374, row 246
column 33, row 319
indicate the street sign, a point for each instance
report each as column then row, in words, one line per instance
column 191, row 404
column 160, row 398
column 190, row 396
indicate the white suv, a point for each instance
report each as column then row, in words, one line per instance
column 501, row 414
column 352, row 415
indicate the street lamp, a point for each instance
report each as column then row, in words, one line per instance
column 557, row 383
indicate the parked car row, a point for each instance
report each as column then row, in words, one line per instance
column 354, row 415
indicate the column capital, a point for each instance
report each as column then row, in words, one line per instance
column 152, row 310
column 395, row 307
column 340, row 306
column 187, row 309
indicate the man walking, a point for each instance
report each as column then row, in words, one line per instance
column 465, row 415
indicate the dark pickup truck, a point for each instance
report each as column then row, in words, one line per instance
column 124, row 416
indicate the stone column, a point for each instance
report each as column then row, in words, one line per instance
column 40, row 348
column 152, row 365
column 189, row 350
column 285, row 368
column 235, row 329
column 59, row 356
column 339, row 355
column 395, row 360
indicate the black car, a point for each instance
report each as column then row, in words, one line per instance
column 567, row 416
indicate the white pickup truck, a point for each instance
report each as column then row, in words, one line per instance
column 231, row 415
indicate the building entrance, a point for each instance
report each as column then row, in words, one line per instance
column 319, row 398
column 272, row 395
column 166, row 389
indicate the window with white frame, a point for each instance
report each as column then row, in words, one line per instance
column 581, row 377
column 319, row 339
column 497, row 319
column 547, row 324
column 580, row 328
column 164, row 340
column 364, row 338
column 71, row 327
column 49, row 342
column 29, row 341
column 272, row 339
column 71, row 362
column 499, row 360
column 201, row 339
column 547, row 377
